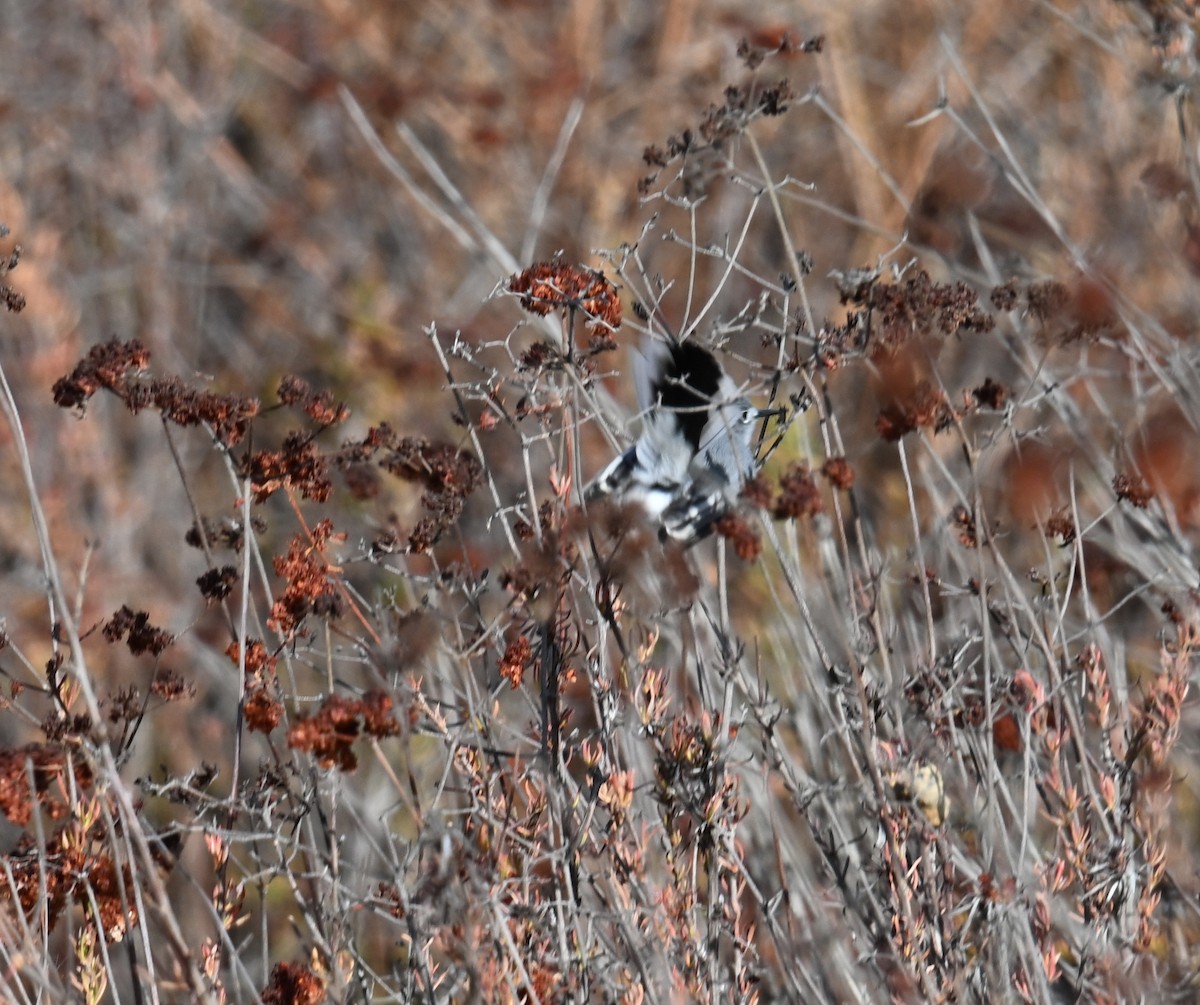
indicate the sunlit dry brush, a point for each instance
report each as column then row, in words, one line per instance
column 423, row 722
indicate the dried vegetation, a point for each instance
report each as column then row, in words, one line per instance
column 321, row 684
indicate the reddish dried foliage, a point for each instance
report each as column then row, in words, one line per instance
column 540, row 355
column 117, row 367
column 1006, row 296
column 170, row 686
column 330, row 734
column 363, row 481
column 839, row 473
column 990, row 394
column 1165, row 181
column 754, row 51
column 799, row 495
column 263, row 712
column 46, row 766
column 1061, row 525
column 260, row 662
column 217, row 584
column 74, row 864
column 13, row 301
column 517, row 657
column 299, row 465
column 137, row 631
column 105, row 366
column 895, row 312
column 321, row 406
column 747, row 544
column 293, row 984
column 757, row 492
column 310, row 588
column 904, row 324
column 964, row 522
column 1131, row 487
column 1066, row 313
column 448, row 475
column 926, row 408
column 555, row 286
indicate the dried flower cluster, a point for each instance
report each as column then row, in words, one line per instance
column 14, row 302
column 118, row 367
column 557, row 286
column 74, row 864
column 448, row 475
column 312, row 586
column 722, row 124
column 137, row 632
column 330, row 733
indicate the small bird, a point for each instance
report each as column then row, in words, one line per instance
column 694, row 454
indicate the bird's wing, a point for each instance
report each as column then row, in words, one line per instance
column 648, row 363
column 690, row 517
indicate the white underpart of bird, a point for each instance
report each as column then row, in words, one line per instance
column 694, row 454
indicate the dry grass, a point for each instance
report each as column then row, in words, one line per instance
column 323, row 685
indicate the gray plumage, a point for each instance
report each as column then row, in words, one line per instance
column 694, row 454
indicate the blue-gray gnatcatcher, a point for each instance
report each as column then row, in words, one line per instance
column 694, row 454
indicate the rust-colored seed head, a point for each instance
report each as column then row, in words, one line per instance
column 551, row 286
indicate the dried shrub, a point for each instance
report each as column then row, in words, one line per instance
column 932, row 743
column 556, row 286
column 330, row 733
